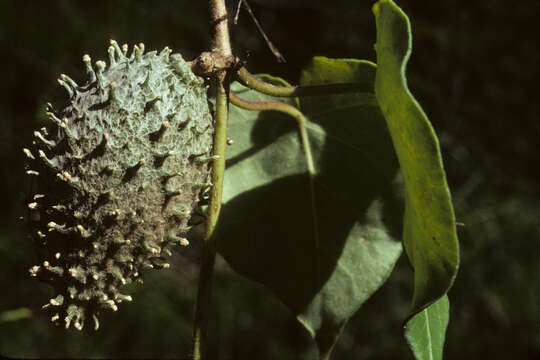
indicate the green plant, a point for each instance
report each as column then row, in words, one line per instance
column 338, row 186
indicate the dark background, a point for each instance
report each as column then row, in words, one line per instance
column 474, row 69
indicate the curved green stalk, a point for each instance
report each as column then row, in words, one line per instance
column 221, row 47
column 214, row 208
column 218, row 165
column 302, row 123
column 284, row 108
column 253, row 82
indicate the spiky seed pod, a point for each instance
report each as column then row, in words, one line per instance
column 116, row 166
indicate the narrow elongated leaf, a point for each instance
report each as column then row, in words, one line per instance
column 323, row 250
column 426, row 330
column 429, row 225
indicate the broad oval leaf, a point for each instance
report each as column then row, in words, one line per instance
column 429, row 225
column 322, row 249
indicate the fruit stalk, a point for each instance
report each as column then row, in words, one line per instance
column 220, row 48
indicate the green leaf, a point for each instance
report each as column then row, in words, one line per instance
column 322, row 252
column 429, row 225
column 425, row 331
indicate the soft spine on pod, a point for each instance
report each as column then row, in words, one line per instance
column 120, row 170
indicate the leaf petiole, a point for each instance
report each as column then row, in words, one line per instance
column 302, row 123
column 253, row 82
column 284, row 108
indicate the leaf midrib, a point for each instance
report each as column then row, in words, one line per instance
column 428, row 335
